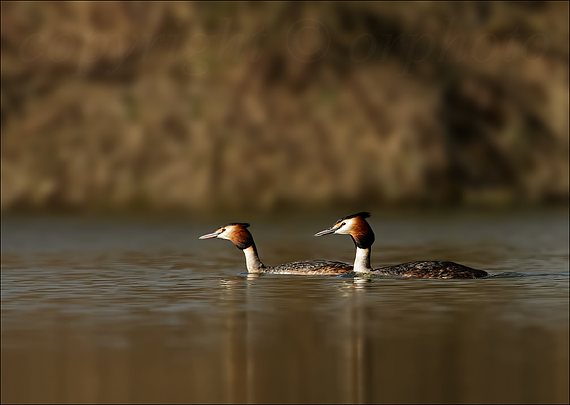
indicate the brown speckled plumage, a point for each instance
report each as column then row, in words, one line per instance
column 431, row 269
column 310, row 267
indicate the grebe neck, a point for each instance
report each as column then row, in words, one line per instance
column 362, row 260
column 252, row 261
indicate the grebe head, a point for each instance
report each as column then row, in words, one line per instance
column 354, row 225
column 235, row 232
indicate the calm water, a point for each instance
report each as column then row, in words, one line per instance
column 115, row 310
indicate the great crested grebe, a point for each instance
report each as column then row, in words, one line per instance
column 241, row 237
column 358, row 228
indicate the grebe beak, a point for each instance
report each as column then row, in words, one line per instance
column 210, row 235
column 332, row 229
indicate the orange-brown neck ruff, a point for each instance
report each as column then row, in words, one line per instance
column 361, row 233
column 241, row 238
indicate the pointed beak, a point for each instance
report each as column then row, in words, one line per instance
column 327, row 231
column 209, row 235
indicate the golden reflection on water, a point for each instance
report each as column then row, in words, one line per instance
column 369, row 354
column 182, row 326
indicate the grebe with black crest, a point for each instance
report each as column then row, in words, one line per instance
column 363, row 237
column 237, row 233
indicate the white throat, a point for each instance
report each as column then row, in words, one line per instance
column 362, row 261
column 252, row 261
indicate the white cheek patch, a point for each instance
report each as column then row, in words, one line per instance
column 227, row 233
column 224, row 235
column 341, row 231
column 346, row 228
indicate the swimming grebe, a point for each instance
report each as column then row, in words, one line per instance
column 356, row 226
column 241, row 237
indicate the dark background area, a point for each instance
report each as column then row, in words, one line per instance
column 243, row 107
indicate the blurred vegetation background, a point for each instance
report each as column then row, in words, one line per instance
column 203, row 107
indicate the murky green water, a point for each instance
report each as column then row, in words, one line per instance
column 142, row 311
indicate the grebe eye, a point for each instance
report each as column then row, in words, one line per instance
column 343, row 224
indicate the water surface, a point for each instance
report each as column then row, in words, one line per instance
column 116, row 310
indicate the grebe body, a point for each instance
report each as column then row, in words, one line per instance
column 238, row 234
column 431, row 269
column 363, row 237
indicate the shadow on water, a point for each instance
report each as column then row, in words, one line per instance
column 507, row 274
column 514, row 274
